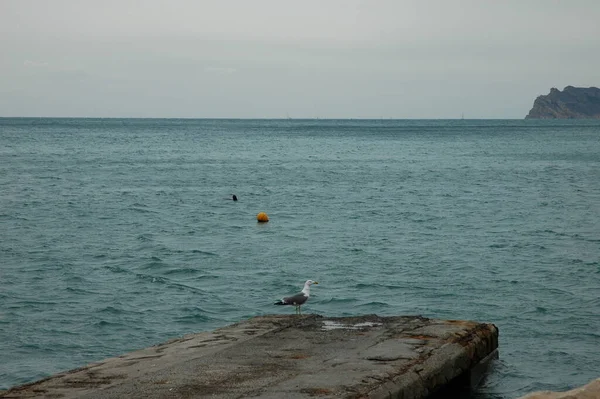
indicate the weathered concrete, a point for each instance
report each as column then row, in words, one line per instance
column 288, row 357
column 589, row 391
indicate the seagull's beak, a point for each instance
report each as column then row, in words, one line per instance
column 315, row 282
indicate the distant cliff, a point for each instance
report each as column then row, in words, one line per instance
column 571, row 103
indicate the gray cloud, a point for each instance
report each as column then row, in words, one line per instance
column 219, row 70
column 35, row 64
column 268, row 58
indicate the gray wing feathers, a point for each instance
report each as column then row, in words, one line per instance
column 297, row 299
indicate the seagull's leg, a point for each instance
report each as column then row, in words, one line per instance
column 299, row 310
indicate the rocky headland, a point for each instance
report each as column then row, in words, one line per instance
column 571, row 103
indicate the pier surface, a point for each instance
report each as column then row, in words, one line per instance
column 289, row 357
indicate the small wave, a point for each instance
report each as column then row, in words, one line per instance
column 295, row 237
column 154, row 263
column 35, row 303
column 105, row 323
column 354, row 249
column 377, row 286
column 557, row 353
column 169, row 283
column 141, row 210
column 80, row 291
column 586, row 238
column 589, row 333
column 145, row 237
column 20, row 218
column 374, row 304
column 550, row 231
column 337, row 300
column 528, row 245
column 193, row 319
column 116, row 269
column 34, row 346
column 196, row 309
column 186, row 271
column 152, row 279
column 114, row 310
column 111, row 310
column 184, row 287
column 199, row 251
column 595, row 302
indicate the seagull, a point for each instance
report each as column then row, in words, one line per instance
column 298, row 299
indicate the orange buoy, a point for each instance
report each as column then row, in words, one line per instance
column 262, row 217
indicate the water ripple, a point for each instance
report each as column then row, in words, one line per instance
column 117, row 235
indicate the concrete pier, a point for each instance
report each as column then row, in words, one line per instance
column 290, row 357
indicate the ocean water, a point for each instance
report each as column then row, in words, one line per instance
column 117, row 234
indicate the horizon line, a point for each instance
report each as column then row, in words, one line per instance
column 251, row 118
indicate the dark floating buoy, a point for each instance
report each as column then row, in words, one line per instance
column 234, row 197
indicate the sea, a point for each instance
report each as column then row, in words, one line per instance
column 118, row 234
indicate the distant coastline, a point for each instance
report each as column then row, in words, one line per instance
column 571, row 103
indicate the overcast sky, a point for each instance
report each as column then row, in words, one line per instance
column 305, row 59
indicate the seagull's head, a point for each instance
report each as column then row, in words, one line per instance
column 311, row 282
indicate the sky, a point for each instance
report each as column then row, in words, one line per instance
column 299, row 59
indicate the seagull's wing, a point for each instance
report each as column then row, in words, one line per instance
column 297, row 299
